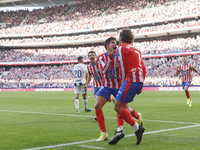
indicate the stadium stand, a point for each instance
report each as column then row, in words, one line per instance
column 91, row 21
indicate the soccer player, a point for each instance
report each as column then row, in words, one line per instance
column 94, row 71
column 80, row 72
column 110, row 66
column 133, row 75
column 186, row 69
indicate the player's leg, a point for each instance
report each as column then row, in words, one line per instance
column 136, row 115
column 95, row 90
column 120, row 119
column 126, row 94
column 99, row 103
column 112, row 99
column 101, row 98
column 85, row 102
column 186, row 87
column 76, row 101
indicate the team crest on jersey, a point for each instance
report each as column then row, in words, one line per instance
column 184, row 72
column 111, row 72
column 96, row 76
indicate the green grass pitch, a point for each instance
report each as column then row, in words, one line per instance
column 38, row 119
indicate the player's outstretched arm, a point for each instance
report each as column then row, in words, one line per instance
column 195, row 70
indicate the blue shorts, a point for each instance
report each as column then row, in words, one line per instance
column 106, row 92
column 95, row 90
column 186, row 84
column 128, row 91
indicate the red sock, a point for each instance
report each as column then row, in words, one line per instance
column 135, row 114
column 120, row 120
column 125, row 113
column 100, row 120
column 187, row 94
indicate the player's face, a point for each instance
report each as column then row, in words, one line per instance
column 112, row 46
column 92, row 56
column 184, row 60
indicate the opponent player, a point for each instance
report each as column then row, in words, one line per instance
column 186, row 69
column 80, row 72
column 133, row 74
column 110, row 67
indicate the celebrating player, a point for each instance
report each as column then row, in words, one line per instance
column 111, row 83
column 186, row 69
column 80, row 72
column 94, row 70
column 110, row 66
column 133, row 75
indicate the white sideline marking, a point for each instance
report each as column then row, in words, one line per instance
column 93, row 147
column 164, row 130
column 88, row 141
column 71, row 115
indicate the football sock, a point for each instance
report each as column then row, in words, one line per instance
column 187, row 94
column 136, row 126
column 135, row 114
column 76, row 103
column 120, row 122
column 85, row 103
column 100, row 120
column 125, row 113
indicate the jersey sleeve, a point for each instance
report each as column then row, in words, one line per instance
column 104, row 65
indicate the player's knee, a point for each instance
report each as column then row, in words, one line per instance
column 116, row 108
column 97, row 106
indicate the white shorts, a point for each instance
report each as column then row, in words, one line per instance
column 78, row 89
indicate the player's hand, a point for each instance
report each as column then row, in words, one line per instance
column 85, row 87
column 111, row 54
column 111, row 98
column 139, row 92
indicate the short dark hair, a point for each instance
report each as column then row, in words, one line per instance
column 91, row 52
column 80, row 58
column 109, row 40
column 126, row 35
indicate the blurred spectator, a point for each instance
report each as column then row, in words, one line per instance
column 160, row 71
column 177, row 45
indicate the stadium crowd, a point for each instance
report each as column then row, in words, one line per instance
column 101, row 34
column 85, row 21
column 160, row 71
column 91, row 16
column 177, row 45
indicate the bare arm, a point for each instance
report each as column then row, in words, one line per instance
column 195, row 70
column 177, row 71
column 88, row 79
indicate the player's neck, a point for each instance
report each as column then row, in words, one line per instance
column 93, row 62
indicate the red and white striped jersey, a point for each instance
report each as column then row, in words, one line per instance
column 132, row 66
column 186, row 72
column 111, row 70
column 95, row 71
